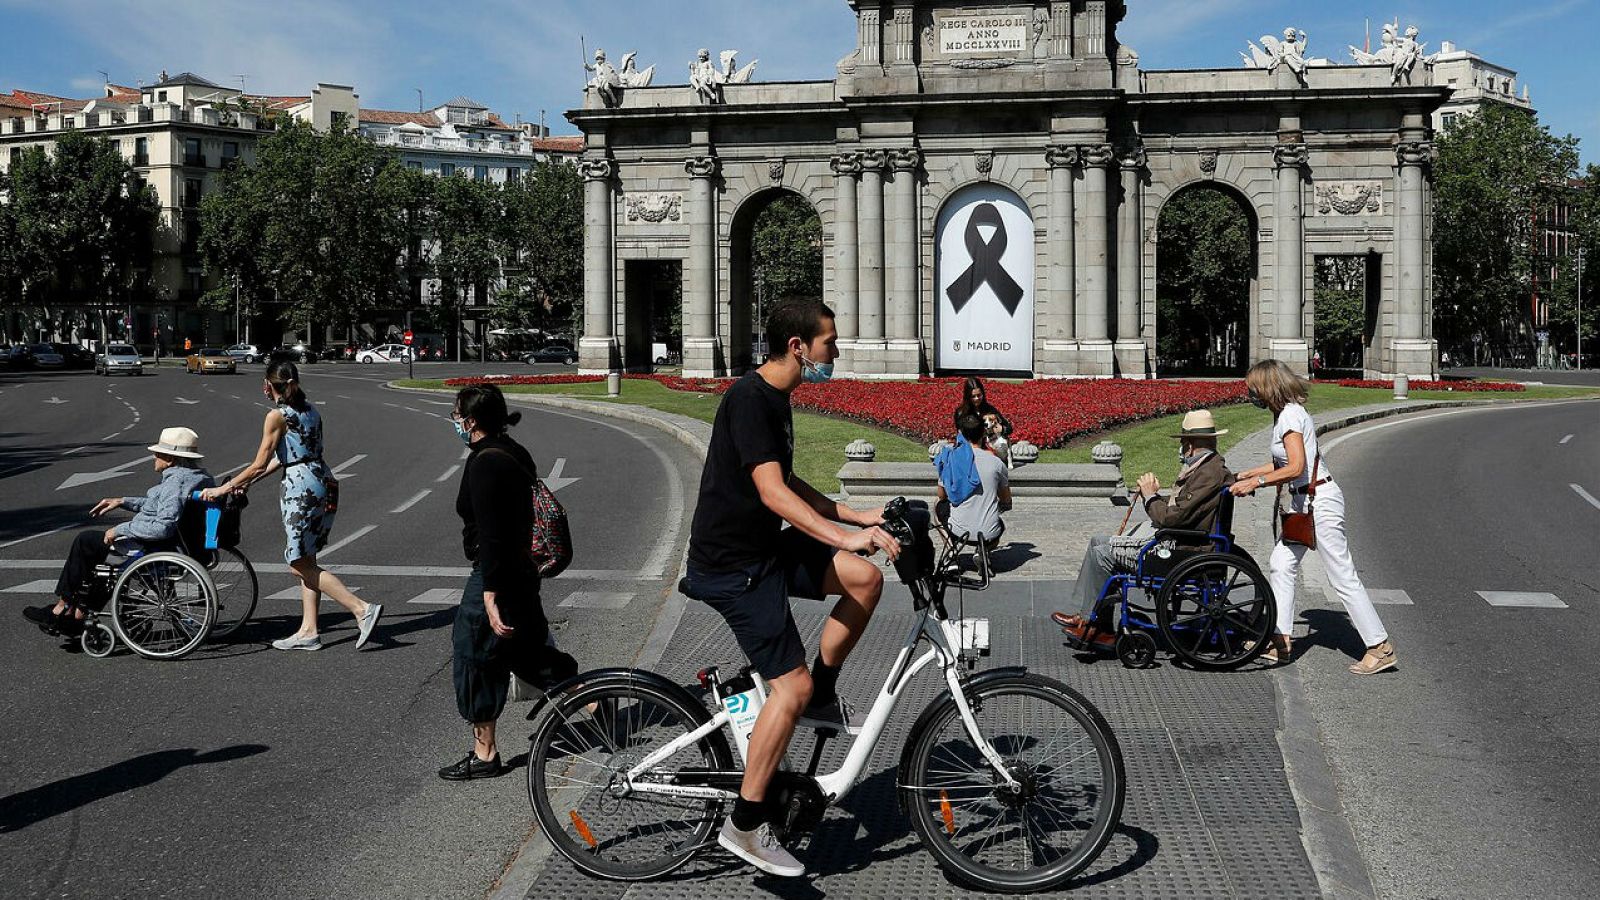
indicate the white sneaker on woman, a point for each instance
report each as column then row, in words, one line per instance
column 296, row 642
column 760, row 849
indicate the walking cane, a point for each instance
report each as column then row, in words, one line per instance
column 1124, row 526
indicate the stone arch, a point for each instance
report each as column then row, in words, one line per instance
column 747, row 300
column 1239, row 334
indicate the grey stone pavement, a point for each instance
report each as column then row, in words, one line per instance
column 1213, row 809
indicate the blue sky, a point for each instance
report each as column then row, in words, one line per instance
column 522, row 56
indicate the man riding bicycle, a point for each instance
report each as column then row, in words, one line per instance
column 746, row 565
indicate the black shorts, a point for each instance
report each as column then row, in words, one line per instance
column 754, row 600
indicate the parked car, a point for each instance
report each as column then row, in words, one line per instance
column 15, row 357
column 75, row 357
column 295, row 353
column 121, row 358
column 45, row 357
column 247, row 353
column 210, row 359
column 384, row 353
column 553, row 353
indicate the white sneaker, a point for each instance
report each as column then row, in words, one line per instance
column 760, row 849
column 296, row 642
column 366, row 623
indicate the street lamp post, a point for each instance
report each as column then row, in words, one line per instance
column 1582, row 251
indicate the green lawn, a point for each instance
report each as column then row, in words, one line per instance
column 1147, row 446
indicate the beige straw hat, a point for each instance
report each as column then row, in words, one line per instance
column 1200, row 424
column 178, row 442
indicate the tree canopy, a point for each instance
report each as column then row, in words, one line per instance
column 1205, row 262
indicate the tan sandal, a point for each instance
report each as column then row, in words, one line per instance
column 1279, row 649
column 1379, row 658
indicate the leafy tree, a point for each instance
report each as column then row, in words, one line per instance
column 78, row 226
column 316, row 224
column 1496, row 168
column 786, row 250
column 1203, row 280
column 1340, row 314
column 541, row 244
column 466, row 223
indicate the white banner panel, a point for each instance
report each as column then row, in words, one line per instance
column 984, row 274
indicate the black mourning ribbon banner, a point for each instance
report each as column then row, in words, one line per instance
column 986, row 268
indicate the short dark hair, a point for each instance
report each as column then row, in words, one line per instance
column 486, row 405
column 972, row 428
column 801, row 318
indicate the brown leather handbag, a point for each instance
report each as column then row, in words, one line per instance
column 1299, row 527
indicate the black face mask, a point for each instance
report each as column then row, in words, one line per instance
column 1256, row 401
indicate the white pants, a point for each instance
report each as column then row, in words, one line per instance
column 1327, row 514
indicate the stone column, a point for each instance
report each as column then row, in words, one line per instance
column 702, row 349
column 1130, row 347
column 1058, row 325
column 1413, row 351
column 597, row 348
column 1095, row 358
column 1288, row 242
column 842, row 261
column 869, row 264
column 904, row 247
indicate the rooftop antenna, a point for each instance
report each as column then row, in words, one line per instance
column 1368, row 48
column 105, row 76
column 419, row 98
column 241, row 82
column 543, row 131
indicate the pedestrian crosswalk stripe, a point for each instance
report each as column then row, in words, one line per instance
column 1380, row 596
column 596, row 600
column 1522, row 598
column 42, row 586
column 293, row 593
column 439, row 596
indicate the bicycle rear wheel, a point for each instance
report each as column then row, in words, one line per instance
column 1034, row 837
column 585, row 740
column 237, row 591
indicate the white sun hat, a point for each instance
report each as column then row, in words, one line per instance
column 178, row 442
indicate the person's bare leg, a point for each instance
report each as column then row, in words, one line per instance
column 860, row 584
column 787, row 696
column 309, row 598
column 483, row 740
column 315, row 577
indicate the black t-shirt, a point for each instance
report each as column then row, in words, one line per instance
column 732, row 527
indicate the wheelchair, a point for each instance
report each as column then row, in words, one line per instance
column 164, row 600
column 1202, row 595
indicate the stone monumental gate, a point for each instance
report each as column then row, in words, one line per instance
column 989, row 177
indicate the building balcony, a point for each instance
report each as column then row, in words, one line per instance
column 141, row 159
column 433, row 143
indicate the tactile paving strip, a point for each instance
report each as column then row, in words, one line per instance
column 1208, row 813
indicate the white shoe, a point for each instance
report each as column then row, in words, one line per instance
column 367, row 621
column 296, row 642
column 760, row 849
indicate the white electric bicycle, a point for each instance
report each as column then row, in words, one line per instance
column 1013, row 781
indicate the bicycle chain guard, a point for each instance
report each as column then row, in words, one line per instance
column 800, row 804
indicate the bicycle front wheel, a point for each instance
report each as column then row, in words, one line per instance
column 588, row 738
column 1060, row 814
column 237, row 591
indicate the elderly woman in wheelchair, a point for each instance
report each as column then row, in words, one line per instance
column 82, row 591
column 1203, row 595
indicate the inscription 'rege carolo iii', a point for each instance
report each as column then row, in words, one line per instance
column 1350, row 198
column 655, row 207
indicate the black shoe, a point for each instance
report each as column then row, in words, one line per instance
column 471, row 767
column 42, row 616
column 68, row 625
column 832, row 715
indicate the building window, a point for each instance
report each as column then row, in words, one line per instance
column 191, row 153
column 192, row 188
column 457, row 116
column 161, row 96
column 16, row 157
column 338, row 121
column 513, row 174
column 1449, row 121
column 230, row 152
column 447, row 168
column 480, row 173
column 414, row 164
column 141, row 151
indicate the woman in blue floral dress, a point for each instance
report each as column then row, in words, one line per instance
column 291, row 441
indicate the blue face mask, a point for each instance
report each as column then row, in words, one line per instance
column 1189, row 459
column 461, row 431
column 815, row 373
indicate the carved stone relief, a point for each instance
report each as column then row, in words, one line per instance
column 1350, row 198
column 1208, row 162
column 654, row 207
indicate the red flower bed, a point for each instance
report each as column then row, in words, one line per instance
column 1046, row 413
column 1470, row 387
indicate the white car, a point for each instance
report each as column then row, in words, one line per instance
column 384, row 353
column 119, row 358
column 247, row 353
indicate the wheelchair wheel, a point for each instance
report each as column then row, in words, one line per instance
column 97, row 640
column 237, row 591
column 1136, row 649
column 163, row 605
column 1215, row 611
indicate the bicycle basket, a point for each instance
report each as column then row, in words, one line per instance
column 911, row 527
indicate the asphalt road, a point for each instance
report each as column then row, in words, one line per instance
column 1472, row 771
column 245, row 772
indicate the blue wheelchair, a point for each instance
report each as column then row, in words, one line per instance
column 1202, row 595
column 164, row 600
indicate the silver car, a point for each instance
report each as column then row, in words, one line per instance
column 119, row 358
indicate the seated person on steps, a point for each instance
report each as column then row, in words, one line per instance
column 977, row 516
column 1196, row 496
column 155, row 521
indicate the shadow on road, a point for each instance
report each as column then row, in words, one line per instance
column 1331, row 629
column 18, row 523
column 35, row 805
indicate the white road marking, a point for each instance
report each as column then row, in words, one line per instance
column 56, row 401
column 1523, row 599
column 554, row 481
column 448, row 473
column 74, row 450
column 341, row 396
column 112, row 436
column 466, row 453
column 1585, row 495
column 83, row 478
column 1380, row 596
column 596, row 600
column 42, row 586
column 439, row 596
column 1567, row 438
column 616, row 575
column 293, row 593
column 436, row 403
column 415, row 499
column 339, row 469
column 184, row 401
column 357, row 535
column 392, row 405
column 1401, row 420
column 39, row 535
column 230, row 472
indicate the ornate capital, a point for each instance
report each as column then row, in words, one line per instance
column 1098, row 156
column 905, row 159
column 874, row 160
column 845, row 165
column 1132, row 158
column 1063, row 156
column 1414, row 153
column 1291, row 156
column 597, row 169
column 702, row 166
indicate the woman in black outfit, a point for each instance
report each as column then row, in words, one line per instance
column 975, row 400
column 500, row 626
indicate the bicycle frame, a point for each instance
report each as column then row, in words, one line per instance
column 945, row 639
